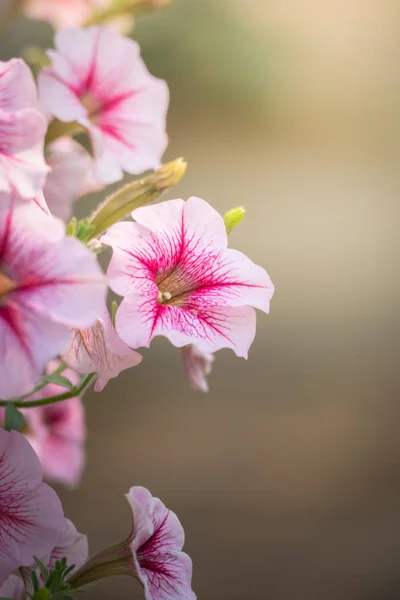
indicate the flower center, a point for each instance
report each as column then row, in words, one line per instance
column 173, row 287
column 7, row 286
column 92, row 105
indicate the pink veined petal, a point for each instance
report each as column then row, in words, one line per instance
column 158, row 538
column 174, row 581
column 100, row 349
column 17, row 86
column 31, row 516
column 198, row 222
column 137, row 255
column 58, row 98
column 61, row 281
column 27, row 342
column 140, row 318
column 21, row 130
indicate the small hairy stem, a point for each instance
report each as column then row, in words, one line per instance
column 78, row 390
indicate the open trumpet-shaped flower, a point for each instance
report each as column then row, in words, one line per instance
column 179, row 279
column 98, row 79
column 152, row 554
column 156, row 545
column 22, row 131
column 100, row 349
column 48, row 284
column 31, row 515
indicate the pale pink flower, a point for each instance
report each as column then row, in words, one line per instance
column 179, row 279
column 61, row 13
column 48, row 284
column 100, row 349
column 198, row 366
column 69, row 177
column 98, row 79
column 71, row 545
column 22, row 131
column 57, row 432
column 156, row 545
column 31, row 515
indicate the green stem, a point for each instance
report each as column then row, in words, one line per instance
column 78, row 390
column 42, row 384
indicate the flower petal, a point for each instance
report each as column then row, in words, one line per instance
column 17, row 86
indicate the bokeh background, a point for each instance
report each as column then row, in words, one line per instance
column 286, row 475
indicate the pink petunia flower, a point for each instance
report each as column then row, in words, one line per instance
column 71, row 545
column 180, row 280
column 31, row 515
column 61, row 13
column 57, row 432
column 22, row 131
column 100, row 349
column 198, row 366
column 152, row 553
column 48, row 284
column 98, row 79
column 69, row 177
column 156, row 545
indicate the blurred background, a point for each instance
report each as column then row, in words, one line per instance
column 286, row 475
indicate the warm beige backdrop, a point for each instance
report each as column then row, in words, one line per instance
column 286, row 476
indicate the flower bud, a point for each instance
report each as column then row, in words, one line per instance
column 233, row 218
column 135, row 194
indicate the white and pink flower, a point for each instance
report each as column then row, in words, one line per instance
column 31, row 515
column 198, row 366
column 22, row 131
column 100, row 349
column 48, row 284
column 180, row 280
column 98, row 79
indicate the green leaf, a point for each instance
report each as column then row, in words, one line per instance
column 14, row 419
column 42, row 568
column 58, row 380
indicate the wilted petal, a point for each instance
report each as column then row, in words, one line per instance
column 198, row 366
column 100, row 350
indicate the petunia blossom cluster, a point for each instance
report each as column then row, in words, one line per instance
column 93, row 116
